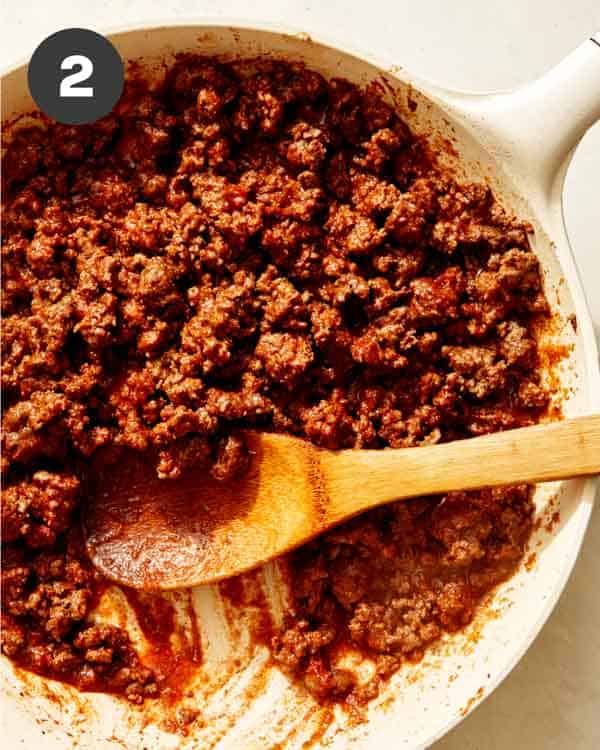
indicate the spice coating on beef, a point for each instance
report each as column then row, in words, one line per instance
column 257, row 248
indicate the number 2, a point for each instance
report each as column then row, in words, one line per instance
column 68, row 84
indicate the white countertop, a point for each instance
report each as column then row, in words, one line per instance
column 551, row 701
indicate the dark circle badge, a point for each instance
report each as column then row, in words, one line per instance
column 76, row 76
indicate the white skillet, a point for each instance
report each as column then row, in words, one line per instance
column 520, row 142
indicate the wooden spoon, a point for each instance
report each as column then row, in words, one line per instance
column 164, row 534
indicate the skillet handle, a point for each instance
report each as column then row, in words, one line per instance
column 535, row 128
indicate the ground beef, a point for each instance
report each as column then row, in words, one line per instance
column 256, row 247
column 393, row 581
column 39, row 510
column 47, row 597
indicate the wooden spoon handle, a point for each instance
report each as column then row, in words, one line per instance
column 357, row 480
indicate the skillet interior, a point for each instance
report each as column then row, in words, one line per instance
column 256, row 707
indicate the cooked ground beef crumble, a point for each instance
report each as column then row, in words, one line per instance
column 257, row 247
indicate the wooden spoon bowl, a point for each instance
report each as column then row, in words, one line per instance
column 164, row 534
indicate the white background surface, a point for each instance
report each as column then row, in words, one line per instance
column 551, row 701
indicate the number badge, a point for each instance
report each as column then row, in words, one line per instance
column 76, row 76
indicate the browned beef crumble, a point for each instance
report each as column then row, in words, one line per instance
column 265, row 249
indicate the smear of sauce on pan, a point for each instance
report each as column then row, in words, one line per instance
column 173, row 653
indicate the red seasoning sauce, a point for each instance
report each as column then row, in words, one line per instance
column 172, row 655
column 255, row 247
